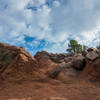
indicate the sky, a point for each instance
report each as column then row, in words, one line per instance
column 48, row 25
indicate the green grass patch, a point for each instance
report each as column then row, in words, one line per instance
column 5, row 56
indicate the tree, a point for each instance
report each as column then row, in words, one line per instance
column 98, row 47
column 79, row 48
column 74, row 47
column 84, row 47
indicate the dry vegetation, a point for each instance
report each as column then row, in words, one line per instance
column 5, row 56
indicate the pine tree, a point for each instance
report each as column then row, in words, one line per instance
column 74, row 47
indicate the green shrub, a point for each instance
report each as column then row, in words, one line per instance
column 5, row 56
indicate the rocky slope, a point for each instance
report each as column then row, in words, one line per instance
column 67, row 66
column 16, row 64
column 48, row 76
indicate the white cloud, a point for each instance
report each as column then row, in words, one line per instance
column 55, row 23
column 90, row 38
column 56, row 3
column 42, row 2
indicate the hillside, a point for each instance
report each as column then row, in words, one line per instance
column 48, row 76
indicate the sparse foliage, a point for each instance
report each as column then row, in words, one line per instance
column 74, row 47
column 98, row 47
column 5, row 56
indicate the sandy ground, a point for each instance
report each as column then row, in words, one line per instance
column 50, row 90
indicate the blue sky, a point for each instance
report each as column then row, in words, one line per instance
column 49, row 24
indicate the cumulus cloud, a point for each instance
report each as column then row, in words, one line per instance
column 56, row 3
column 54, row 21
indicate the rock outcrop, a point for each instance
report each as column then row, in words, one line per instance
column 92, row 69
column 16, row 65
column 67, row 67
column 60, row 66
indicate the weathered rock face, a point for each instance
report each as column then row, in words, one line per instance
column 59, row 65
column 92, row 68
column 57, row 58
column 66, row 68
column 15, row 63
column 46, row 64
column 79, row 62
column 92, row 55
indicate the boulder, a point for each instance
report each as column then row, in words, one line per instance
column 91, row 49
column 92, row 55
column 78, row 62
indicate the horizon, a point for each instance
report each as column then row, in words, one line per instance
column 48, row 25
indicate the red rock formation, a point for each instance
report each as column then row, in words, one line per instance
column 92, row 69
column 16, row 64
column 46, row 65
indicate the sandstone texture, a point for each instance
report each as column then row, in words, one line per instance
column 48, row 76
